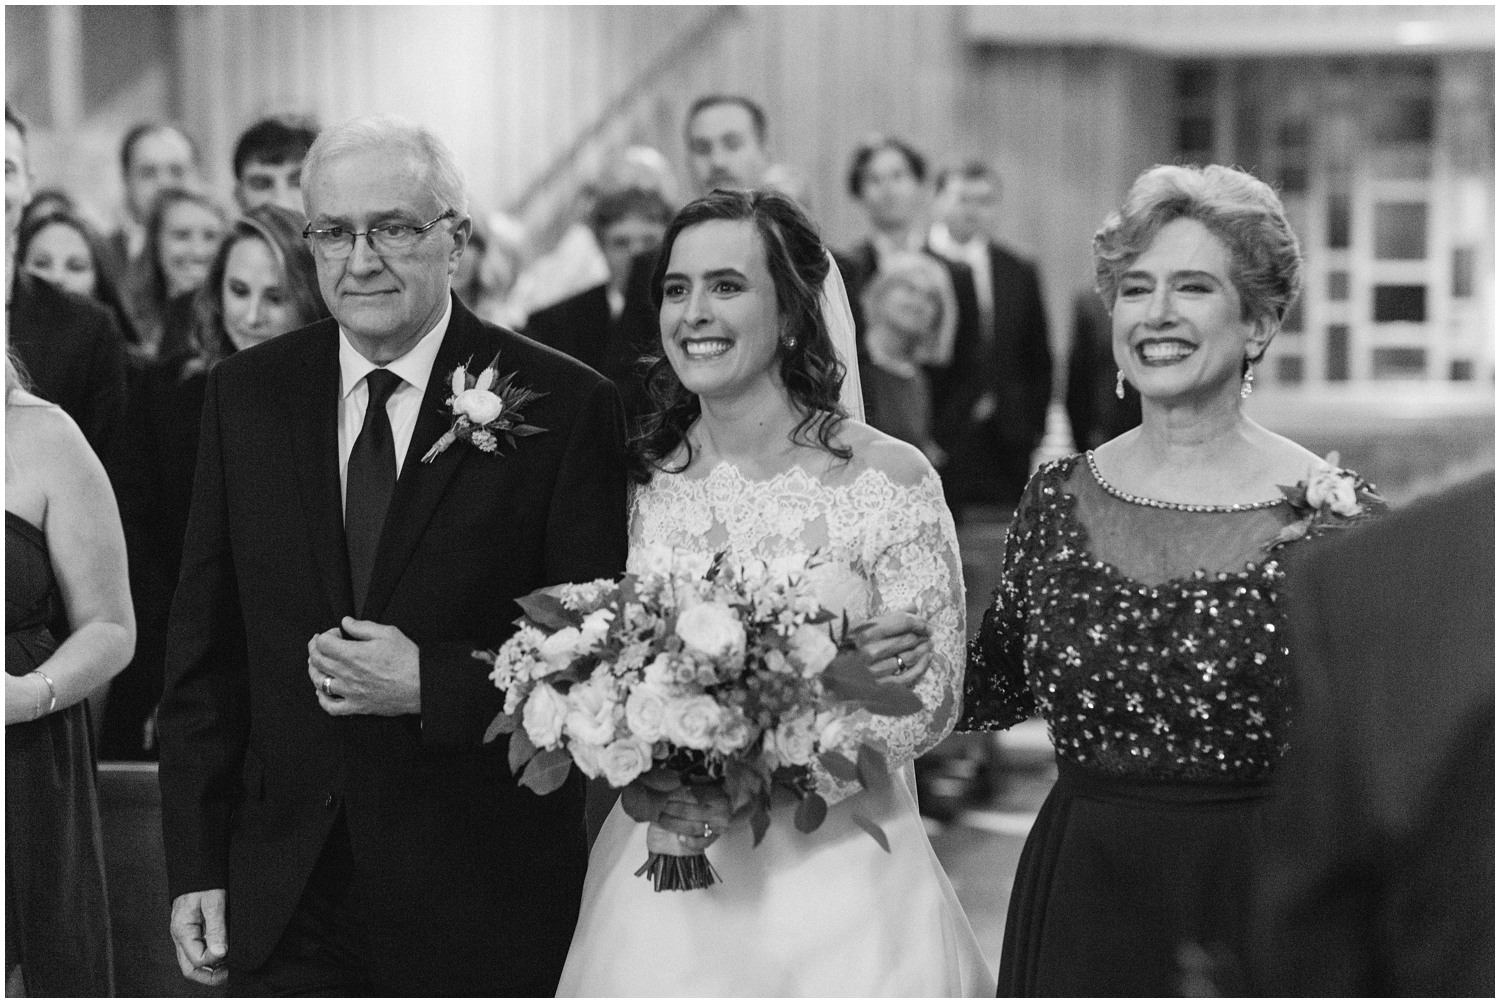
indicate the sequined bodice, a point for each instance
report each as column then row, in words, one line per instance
column 1184, row 678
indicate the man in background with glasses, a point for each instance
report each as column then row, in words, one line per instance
column 333, row 820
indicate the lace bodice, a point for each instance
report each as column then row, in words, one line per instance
column 1152, row 642
column 888, row 546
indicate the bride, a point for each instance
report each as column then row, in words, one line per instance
column 751, row 452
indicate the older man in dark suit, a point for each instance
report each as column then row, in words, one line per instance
column 326, row 791
column 1378, row 877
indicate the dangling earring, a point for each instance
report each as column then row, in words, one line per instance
column 788, row 341
column 1247, row 382
column 1120, row 383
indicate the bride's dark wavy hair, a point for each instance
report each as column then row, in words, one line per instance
column 809, row 367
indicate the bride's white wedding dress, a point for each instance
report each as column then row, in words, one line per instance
column 831, row 913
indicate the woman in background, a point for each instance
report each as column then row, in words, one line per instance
column 64, row 577
column 62, row 248
column 260, row 284
column 1140, row 613
column 182, row 235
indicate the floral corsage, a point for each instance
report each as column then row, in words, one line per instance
column 483, row 410
column 1331, row 497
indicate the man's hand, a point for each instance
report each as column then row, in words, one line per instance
column 899, row 646
column 201, row 937
column 365, row 668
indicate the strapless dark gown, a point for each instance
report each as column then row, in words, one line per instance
column 56, row 909
column 1153, row 643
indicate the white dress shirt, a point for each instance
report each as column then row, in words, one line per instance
column 414, row 368
column 975, row 253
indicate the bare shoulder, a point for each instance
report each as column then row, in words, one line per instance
column 873, row 449
column 43, row 435
column 1287, row 461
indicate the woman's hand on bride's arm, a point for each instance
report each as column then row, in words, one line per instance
column 899, row 645
column 692, row 821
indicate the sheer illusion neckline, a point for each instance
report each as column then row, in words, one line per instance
column 797, row 476
column 1126, row 496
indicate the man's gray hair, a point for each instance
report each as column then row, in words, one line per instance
column 420, row 143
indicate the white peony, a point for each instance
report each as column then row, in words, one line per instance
column 712, row 629
column 479, row 406
column 559, row 650
column 691, row 721
column 624, row 760
column 586, row 757
column 813, row 647
column 660, row 672
column 794, row 740
column 645, row 711
column 591, row 714
column 543, row 718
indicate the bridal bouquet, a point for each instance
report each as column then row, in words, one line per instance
column 711, row 673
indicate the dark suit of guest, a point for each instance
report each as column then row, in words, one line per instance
column 1095, row 412
column 580, row 326
column 470, row 885
column 635, row 340
column 74, row 353
column 858, row 266
column 1379, row 872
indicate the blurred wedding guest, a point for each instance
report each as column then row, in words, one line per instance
column 500, row 272
column 888, row 177
column 70, row 346
column 1141, row 611
column 153, row 156
column 64, row 249
column 182, row 236
column 626, row 224
column 999, row 411
column 726, row 142
column 68, row 629
column 268, row 162
column 910, row 319
column 46, row 202
column 1377, row 876
column 1100, row 404
column 261, row 284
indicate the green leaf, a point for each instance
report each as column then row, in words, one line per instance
column 628, row 590
column 503, row 724
column 521, row 749
column 848, row 677
column 839, row 767
column 547, row 771
column 525, row 430
column 641, row 802
column 760, row 821
column 874, row 775
column 661, row 779
column 876, row 833
column 741, row 783
column 548, row 611
column 811, row 813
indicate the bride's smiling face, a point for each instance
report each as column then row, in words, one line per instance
column 719, row 317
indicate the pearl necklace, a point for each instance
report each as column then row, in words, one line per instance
column 1115, row 492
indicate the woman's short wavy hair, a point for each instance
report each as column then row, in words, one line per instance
column 1235, row 206
column 807, row 361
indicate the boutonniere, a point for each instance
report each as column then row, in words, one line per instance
column 484, row 410
column 1330, row 497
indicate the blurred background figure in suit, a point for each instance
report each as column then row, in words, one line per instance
column 1378, row 873
column 1000, row 408
column 154, row 156
column 1100, row 406
column 268, row 162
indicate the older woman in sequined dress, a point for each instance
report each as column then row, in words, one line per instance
column 1138, row 606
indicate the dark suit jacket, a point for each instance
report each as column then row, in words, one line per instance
column 1379, row 869
column 472, row 884
column 74, row 353
column 580, row 326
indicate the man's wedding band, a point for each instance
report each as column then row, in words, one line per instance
column 708, row 830
column 328, row 686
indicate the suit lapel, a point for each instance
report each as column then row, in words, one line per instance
column 315, row 445
column 422, row 485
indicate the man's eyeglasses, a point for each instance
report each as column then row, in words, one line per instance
column 336, row 242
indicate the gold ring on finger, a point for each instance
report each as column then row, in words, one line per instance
column 328, row 687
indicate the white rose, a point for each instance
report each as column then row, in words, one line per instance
column 813, row 647
column 624, row 760
column 691, row 721
column 645, row 711
column 586, row 757
column 591, row 714
column 559, row 650
column 794, row 740
column 1334, row 489
column 713, row 629
column 596, row 627
column 831, row 731
column 660, row 672
column 479, row 406
column 543, row 718
column 1345, row 499
column 733, row 734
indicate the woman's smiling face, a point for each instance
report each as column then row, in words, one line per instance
column 720, row 322
column 1179, row 333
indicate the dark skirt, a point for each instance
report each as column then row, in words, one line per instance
column 1131, row 887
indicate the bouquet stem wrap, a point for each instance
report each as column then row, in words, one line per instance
column 673, row 868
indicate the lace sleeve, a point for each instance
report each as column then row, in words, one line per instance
column 912, row 557
column 995, row 692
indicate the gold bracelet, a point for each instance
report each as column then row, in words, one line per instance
column 51, row 693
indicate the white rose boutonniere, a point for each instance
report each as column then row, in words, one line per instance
column 483, row 409
column 1330, row 497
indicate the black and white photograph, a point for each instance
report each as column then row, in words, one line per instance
column 750, row 500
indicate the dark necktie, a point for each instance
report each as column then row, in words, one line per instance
column 370, row 481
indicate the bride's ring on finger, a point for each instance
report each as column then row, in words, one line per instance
column 328, row 687
column 900, row 664
column 708, row 830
